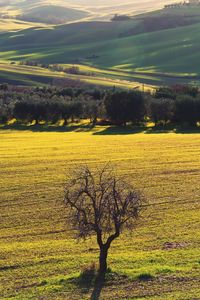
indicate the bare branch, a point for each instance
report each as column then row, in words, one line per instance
column 101, row 203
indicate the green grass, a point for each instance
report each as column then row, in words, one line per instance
column 39, row 257
column 14, row 25
column 155, row 58
column 33, row 76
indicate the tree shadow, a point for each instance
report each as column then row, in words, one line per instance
column 160, row 129
column 48, row 128
column 98, row 286
column 187, row 130
column 86, row 284
column 173, row 129
column 111, row 130
column 109, row 278
column 116, row 130
column 92, row 283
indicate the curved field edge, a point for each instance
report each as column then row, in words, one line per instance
column 37, row 76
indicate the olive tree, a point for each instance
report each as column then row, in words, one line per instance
column 101, row 203
column 125, row 106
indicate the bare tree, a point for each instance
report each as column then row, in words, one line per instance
column 103, row 204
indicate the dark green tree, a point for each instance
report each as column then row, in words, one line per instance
column 162, row 111
column 125, row 106
column 186, row 110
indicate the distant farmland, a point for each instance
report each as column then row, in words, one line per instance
column 101, row 10
column 143, row 50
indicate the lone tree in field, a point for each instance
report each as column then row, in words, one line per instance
column 101, row 204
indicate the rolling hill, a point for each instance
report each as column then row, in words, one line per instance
column 37, row 76
column 152, row 48
column 98, row 10
column 52, row 14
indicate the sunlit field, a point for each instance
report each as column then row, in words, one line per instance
column 34, row 76
column 145, row 49
column 7, row 25
column 39, row 258
column 101, row 10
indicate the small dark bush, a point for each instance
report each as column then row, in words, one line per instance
column 43, row 283
column 88, row 273
column 145, row 277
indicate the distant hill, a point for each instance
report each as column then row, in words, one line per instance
column 52, row 14
column 161, row 46
column 98, row 10
column 4, row 3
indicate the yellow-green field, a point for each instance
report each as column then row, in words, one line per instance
column 15, row 25
column 38, row 256
column 28, row 75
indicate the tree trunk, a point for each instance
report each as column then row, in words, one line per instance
column 94, row 121
column 65, row 122
column 193, row 123
column 103, row 260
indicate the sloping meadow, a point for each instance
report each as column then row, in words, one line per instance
column 40, row 258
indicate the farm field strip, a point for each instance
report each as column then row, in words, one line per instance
column 37, row 75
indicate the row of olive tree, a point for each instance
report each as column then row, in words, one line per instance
column 54, row 111
column 122, row 107
column 184, row 109
column 45, row 111
column 117, row 107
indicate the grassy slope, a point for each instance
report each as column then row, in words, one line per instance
column 101, row 10
column 162, row 55
column 163, row 52
column 35, row 76
column 173, row 51
column 39, row 256
column 14, row 25
column 46, row 13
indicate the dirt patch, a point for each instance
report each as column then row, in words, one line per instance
column 174, row 245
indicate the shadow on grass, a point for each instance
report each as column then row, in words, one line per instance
column 98, row 286
column 171, row 128
column 48, row 128
column 91, row 282
column 187, row 130
column 87, row 282
column 115, row 130
column 111, row 130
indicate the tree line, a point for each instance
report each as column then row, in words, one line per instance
column 167, row 105
column 74, row 69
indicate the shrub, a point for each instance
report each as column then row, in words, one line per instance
column 145, row 277
column 162, row 111
column 187, row 110
column 122, row 107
